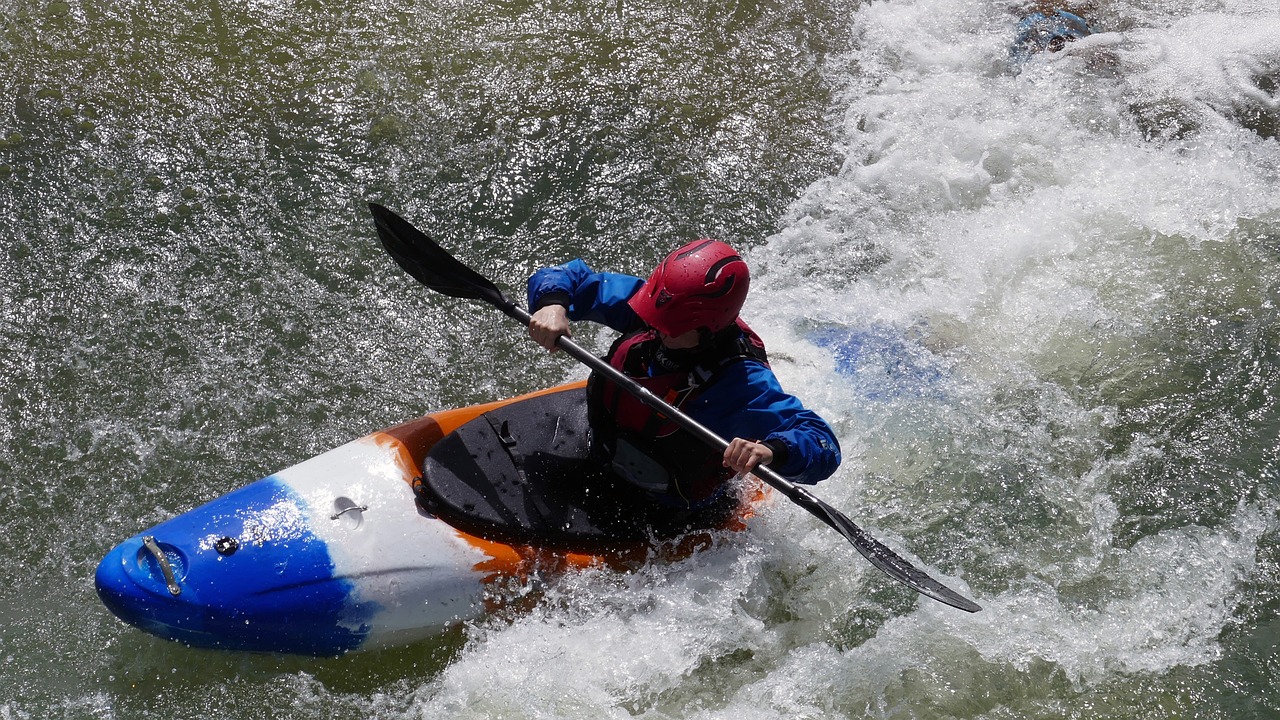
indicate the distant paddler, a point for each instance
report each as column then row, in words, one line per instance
column 1046, row 29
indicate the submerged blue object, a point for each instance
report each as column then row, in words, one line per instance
column 883, row 363
column 1039, row 32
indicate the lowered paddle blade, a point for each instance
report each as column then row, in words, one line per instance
column 892, row 564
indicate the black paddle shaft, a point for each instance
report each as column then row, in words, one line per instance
column 436, row 268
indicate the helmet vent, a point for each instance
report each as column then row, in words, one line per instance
column 714, row 270
column 693, row 250
column 721, row 291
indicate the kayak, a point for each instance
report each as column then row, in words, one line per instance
column 405, row 532
column 396, row 536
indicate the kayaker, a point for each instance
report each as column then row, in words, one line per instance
column 1046, row 30
column 682, row 338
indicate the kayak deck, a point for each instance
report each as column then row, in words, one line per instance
column 337, row 554
column 524, row 472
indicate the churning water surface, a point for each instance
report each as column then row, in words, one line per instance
column 1038, row 304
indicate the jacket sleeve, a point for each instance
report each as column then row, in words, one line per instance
column 748, row 402
column 589, row 295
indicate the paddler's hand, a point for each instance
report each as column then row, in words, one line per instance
column 742, row 456
column 548, row 324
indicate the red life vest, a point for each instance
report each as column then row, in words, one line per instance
column 693, row 469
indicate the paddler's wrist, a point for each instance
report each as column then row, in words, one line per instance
column 555, row 297
column 779, row 450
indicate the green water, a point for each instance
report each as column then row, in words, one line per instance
column 193, row 297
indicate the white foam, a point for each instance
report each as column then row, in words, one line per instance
column 1029, row 232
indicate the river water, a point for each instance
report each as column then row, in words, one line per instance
column 1038, row 306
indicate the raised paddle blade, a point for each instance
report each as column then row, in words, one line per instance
column 429, row 263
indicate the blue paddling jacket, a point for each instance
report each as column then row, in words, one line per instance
column 742, row 398
column 1040, row 32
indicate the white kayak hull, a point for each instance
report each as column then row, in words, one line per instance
column 330, row 556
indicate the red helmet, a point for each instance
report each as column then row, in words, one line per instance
column 700, row 285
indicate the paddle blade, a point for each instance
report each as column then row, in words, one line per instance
column 892, row 564
column 429, row 263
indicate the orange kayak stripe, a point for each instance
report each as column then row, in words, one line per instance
column 413, row 440
column 417, row 437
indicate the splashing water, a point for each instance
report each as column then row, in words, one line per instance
column 1037, row 303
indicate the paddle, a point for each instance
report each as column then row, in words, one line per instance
column 434, row 267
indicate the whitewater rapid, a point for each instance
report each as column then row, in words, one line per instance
column 1042, row 250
